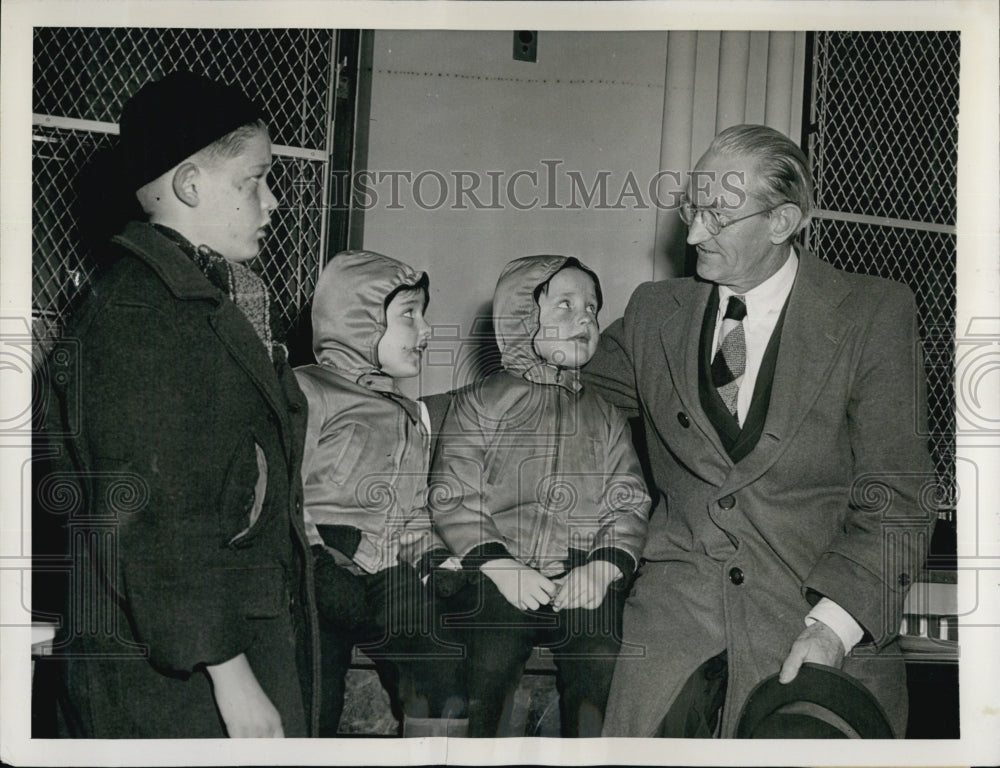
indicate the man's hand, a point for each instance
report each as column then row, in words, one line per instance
column 585, row 586
column 817, row 643
column 524, row 587
column 245, row 708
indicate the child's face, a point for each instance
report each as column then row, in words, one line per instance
column 567, row 319
column 236, row 201
column 401, row 348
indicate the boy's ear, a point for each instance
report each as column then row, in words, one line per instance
column 185, row 183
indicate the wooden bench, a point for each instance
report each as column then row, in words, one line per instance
column 928, row 637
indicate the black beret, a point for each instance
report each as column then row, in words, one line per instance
column 170, row 119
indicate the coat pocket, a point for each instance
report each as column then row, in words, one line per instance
column 265, row 592
column 244, row 495
column 339, row 452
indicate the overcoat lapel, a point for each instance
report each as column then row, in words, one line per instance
column 186, row 281
column 243, row 344
column 680, row 334
column 812, row 338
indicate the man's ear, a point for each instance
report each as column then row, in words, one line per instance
column 784, row 222
column 185, row 183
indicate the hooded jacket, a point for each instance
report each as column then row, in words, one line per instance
column 531, row 465
column 367, row 448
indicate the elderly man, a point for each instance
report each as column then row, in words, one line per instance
column 783, row 404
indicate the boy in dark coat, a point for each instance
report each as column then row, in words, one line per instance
column 537, row 489
column 191, row 610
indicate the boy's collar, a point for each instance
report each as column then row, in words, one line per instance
column 386, row 385
column 180, row 274
column 546, row 373
column 378, row 382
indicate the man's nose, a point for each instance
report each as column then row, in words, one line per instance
column 697, row 231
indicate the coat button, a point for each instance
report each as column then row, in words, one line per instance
column 904, row 579
column 727, row 502
column 683, row 419
column 736, row 576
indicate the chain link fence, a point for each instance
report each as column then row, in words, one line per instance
column 883, row 149
column 82, row 78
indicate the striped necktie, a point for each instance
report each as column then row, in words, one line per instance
column 731, row 359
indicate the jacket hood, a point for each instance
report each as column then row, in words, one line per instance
column 348, row 309
column 515, row 312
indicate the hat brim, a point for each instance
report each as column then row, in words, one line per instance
column 827, row 688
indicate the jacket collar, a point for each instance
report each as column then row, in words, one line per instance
column 812, row 338
column 544, row 373
column 185, row 280
column 377, row 382
column 812, row 335
column 166, row 258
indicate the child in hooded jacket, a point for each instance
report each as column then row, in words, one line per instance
column 364, row 474
column 537, row 489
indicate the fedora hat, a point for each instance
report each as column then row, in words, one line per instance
column 820, row 703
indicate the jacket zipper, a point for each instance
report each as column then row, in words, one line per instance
column 546, row 524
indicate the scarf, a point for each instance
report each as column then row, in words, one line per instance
column 242, row 285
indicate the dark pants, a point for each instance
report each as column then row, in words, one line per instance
column 499, row 639
column 390, row 617
column 696, row 712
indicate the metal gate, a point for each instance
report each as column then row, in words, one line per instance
column 883, row 149
column 82, row 77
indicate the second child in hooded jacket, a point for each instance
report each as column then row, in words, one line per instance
column 537, row 489
column 365, row 482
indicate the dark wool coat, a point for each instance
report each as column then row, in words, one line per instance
column 833, row 501
column 187, row 545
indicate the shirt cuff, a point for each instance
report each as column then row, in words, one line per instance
column 837, row 619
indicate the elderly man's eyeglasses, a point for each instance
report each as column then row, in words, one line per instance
column 710, row 219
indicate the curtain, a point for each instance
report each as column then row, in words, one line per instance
column 714, row 80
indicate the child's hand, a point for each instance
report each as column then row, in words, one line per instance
column 586, row 585
column 245, row 708
column 524, row 587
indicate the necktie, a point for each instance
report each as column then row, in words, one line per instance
column 731, row 360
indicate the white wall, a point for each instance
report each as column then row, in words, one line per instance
column 628, row 105
column 457, row 101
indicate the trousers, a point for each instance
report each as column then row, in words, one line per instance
column 498, row 639
column 390, row 616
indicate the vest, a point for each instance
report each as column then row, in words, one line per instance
column 737, row 442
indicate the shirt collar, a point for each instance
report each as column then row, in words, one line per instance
column 769, row 295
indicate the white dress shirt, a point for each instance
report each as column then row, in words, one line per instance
column 764, row 304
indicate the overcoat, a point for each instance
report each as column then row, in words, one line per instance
column 834, row 500
column 183, row 442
